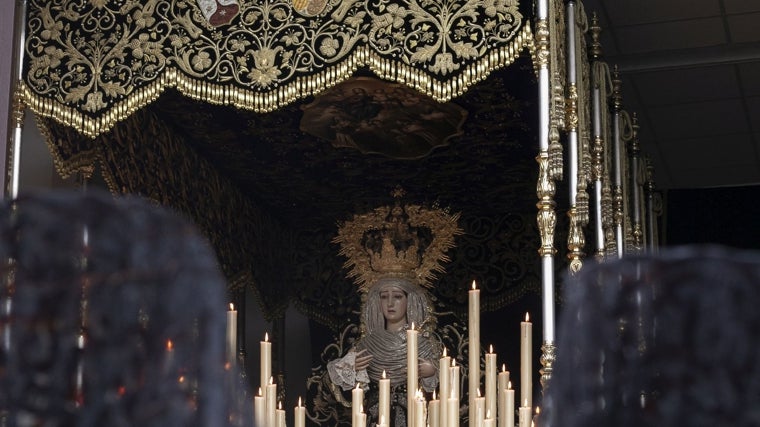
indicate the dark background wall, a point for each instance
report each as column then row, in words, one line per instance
column 727, row 216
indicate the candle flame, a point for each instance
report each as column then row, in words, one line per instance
column 488, row 414
column 538, row 410
column 266, row 336
column 453, row 363
column 504, row 367
column 361, row 408
column 433, row 394
column 509, row 385
column 490, row 348
column 444, row 352
column 527, row 317
column 232, row 307
column 169, row 345
column 260, row 393
column 357, row 386
column 299, row 401
column 412, row 325
column 525, row 404
column 478, row 391
column 473, row 285
column 279, row 405
column 271, row 380
column 383, row 373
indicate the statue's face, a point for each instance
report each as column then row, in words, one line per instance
column 393, row 304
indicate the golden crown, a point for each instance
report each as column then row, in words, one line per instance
column 407, row 241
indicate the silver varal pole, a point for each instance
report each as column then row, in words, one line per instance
column 546, row 217
column 618, row 163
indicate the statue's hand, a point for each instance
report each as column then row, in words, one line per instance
column 426, row 369
column 362, row 360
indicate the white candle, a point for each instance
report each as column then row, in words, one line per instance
column 491, row 381
column 523, row 413
column 259, row 409
column 453, row 407
column 489, row 421
column 473, row 310
column 265, row 362
column 231, row 334
column 384, row 399
column 280, row 416
column 411, row 371
column 270, row 399
column 444, row 387
column 510, row 413
column 434, row 412
column 357, row 404
column 503, row 386
column 419, row 410
column 526, row 361
column 299, row 415
column 455, row 378
column 478, row 413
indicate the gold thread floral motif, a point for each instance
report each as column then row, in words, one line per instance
column 92, row 64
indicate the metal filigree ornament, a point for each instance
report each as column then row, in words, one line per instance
column 408, row 242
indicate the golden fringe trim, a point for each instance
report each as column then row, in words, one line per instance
column 301, row 87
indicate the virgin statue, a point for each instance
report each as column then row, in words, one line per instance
column 393, row 254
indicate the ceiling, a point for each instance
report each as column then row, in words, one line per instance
column 691, row 73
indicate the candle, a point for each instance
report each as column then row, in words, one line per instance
column 526, row 361
column 270, row 401
column 491, row 381
column 444, row 387
column 434, row 412
column 478, row 410
column 523, row 413
column 473, row 329
column 453, row 407
column 489, row 421
column 231, row 334
column 259, row 409
column 280, row 416
column 454, row 374
column 169, row 361
column 357, row 403
column 299, row 415
column 384, row 399
column 510, row 412
column 503, row 386
column 411, row 371
column 361, row 418
column 419, row 409
column 265, row 362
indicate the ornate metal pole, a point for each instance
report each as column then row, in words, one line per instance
column 575, row 238
column 13, row 159
column 636, row 185
column 547, row 217
column 618, row 163
column 598, row 147
column 13, row 148
column 651, row 222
